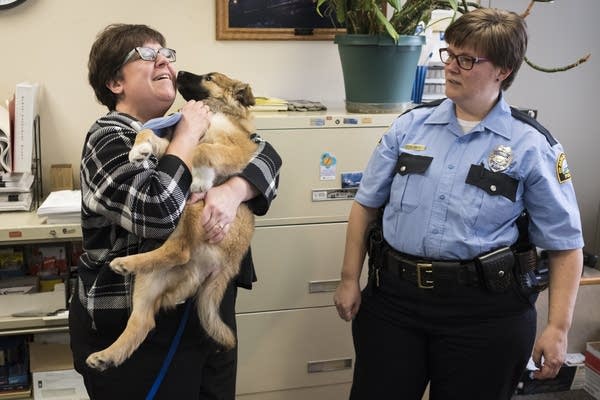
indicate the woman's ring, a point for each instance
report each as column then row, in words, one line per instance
column 220, row 226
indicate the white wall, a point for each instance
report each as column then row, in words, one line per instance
column 48, row 41
column 559, row 33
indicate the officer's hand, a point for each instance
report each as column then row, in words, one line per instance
column 347, row 298
column 552, row 347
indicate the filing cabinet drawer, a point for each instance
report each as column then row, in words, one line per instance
column 297, row 266
column 328, row 392
column 293, row 349
column 302, row 151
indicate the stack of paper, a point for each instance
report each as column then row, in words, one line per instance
column 15, row 192
column 15, row 201
column 61, row 207
column 269, row 104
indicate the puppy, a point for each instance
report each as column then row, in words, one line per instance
column 186, row 264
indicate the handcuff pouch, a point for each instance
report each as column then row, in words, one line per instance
column 496, row 269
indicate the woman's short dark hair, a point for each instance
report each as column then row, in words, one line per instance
column 499, row 35
column 109, row 51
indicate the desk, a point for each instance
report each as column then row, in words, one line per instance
column 591, row 276
column 26, row 227
column 30, row 325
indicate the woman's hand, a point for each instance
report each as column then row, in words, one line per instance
column 221, row 204
column 195, row 120
column 194, row 123
column 220, row 208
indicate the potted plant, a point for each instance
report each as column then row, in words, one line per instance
column 379, row 53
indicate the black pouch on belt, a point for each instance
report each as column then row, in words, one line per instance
column 375, row 247
column 496, row 268
column 532, row 275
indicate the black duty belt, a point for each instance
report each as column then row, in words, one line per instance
column 427, row 274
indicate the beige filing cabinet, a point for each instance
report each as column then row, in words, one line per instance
column 292, row 344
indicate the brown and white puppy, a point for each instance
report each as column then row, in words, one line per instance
column 186, row 264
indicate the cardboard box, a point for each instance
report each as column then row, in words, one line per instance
column 592, row 383
column 592, row 356
column 571, row 376
column 52, row 373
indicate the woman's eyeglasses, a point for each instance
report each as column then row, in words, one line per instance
column 150, row 54
column 464, row 62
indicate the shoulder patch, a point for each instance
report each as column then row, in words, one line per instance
column 562, row 169
column 521, row 116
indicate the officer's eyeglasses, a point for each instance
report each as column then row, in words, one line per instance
column 464, row 62
column 150, row 54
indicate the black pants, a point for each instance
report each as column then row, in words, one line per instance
column 198, row 370
column 469, row 344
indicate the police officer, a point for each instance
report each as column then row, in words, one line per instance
column 444, row 303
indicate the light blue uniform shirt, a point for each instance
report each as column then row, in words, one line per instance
column 435, row 214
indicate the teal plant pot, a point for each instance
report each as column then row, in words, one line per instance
column 378, row 73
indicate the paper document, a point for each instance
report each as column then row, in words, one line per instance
column 61, row 202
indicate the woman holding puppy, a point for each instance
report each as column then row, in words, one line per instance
column 130, row 208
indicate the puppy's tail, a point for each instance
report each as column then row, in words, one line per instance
column 209, row 302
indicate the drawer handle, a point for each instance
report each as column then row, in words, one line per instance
column 339, row 364
column 323, row 286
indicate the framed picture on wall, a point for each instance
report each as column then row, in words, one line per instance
column 272, row 20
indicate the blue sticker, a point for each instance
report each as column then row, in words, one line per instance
column 351, row 179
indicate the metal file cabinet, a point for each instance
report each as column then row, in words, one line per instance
column 292, row 344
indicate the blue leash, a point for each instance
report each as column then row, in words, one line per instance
column 171, row 353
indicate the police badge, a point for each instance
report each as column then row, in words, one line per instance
column 500, row 158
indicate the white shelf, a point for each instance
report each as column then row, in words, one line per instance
column 18, row 227
column 435, row 81
column 27, row 325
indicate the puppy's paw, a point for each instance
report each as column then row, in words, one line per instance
column 121, row 266
column 140, row 152
column 99, row 361
column 200, row 185
column 202, row 179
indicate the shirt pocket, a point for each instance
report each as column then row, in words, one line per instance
column 496, row 195
column 408, row 182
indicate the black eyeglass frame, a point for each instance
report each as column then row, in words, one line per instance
column 460, row 59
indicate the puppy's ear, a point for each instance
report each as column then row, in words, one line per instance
column 243, row 94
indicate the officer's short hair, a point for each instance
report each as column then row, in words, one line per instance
column 498, row 35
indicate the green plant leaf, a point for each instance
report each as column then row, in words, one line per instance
column 319, row 4
column 388, row 27
column 395, row 4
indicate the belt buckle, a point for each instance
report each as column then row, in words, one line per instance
column 422, row 270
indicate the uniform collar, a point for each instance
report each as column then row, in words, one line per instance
column 496, row 121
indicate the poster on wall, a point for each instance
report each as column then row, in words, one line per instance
column 272, row 20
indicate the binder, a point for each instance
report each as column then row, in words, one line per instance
column 26, row 111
